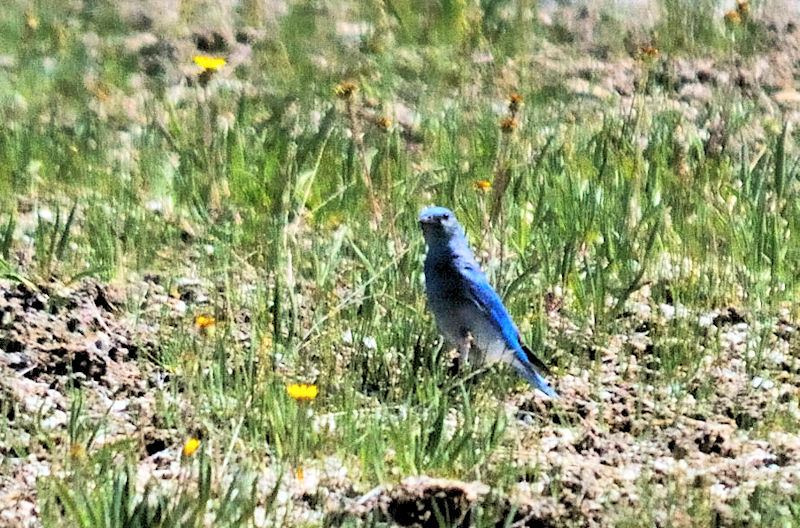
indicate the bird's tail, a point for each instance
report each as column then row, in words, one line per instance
column 527, row 371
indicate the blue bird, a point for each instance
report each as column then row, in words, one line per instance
column 468, row 311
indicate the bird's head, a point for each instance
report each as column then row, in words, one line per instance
column 439, row 225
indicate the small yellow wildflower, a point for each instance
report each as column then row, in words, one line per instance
column 204, row 321
column 345, row 90
column 383, row 123
column 77, row 451
column 299, row 474
column 31, row 21
column 508, row 125
column 514, row 100
column 732, row 18
column 483, row 185
column 302, row 391
column 190, row 446
column 209, row 63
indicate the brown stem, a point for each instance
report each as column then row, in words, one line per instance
column 362, row 154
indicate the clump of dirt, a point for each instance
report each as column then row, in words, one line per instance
column 55, row 338
column 430, row 503
column 69, row 335
column 422, row 502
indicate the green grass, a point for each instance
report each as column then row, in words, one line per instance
column 261, row 183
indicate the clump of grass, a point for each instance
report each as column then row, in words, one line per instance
column 102, row 492
column 696, row 27
column 51, row 239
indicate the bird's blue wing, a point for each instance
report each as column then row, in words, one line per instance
column 486, row 299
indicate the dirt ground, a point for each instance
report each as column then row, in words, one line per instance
column 79, row 335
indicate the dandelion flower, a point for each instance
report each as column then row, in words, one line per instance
column 345, row 90
column 302, row 391
column 483, row 185
column 205, row 321
column 209, row 63
column 508, row 125
column 383, row 123
column 514, row 100
column 190, row 446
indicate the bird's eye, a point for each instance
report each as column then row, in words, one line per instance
column 446, row 216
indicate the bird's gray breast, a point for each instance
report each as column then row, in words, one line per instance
column 458, row 314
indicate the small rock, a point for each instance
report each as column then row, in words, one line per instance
column 759, row 382
column 695, row 92
column 788, row 97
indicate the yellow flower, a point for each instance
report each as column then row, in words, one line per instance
column 209, row 63
column 204, row 321
column 302, row 391
column 514, row 100
column 77, row 451
column 384, row 123
column 483, row 185
column 733, row 18
column 508, row 125
column 299, row 473
column 190, row 446
column 345, row 90
column 31, row 21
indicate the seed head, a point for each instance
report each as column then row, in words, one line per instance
column 733, row 18
column 345, row 90
column 508, row 125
